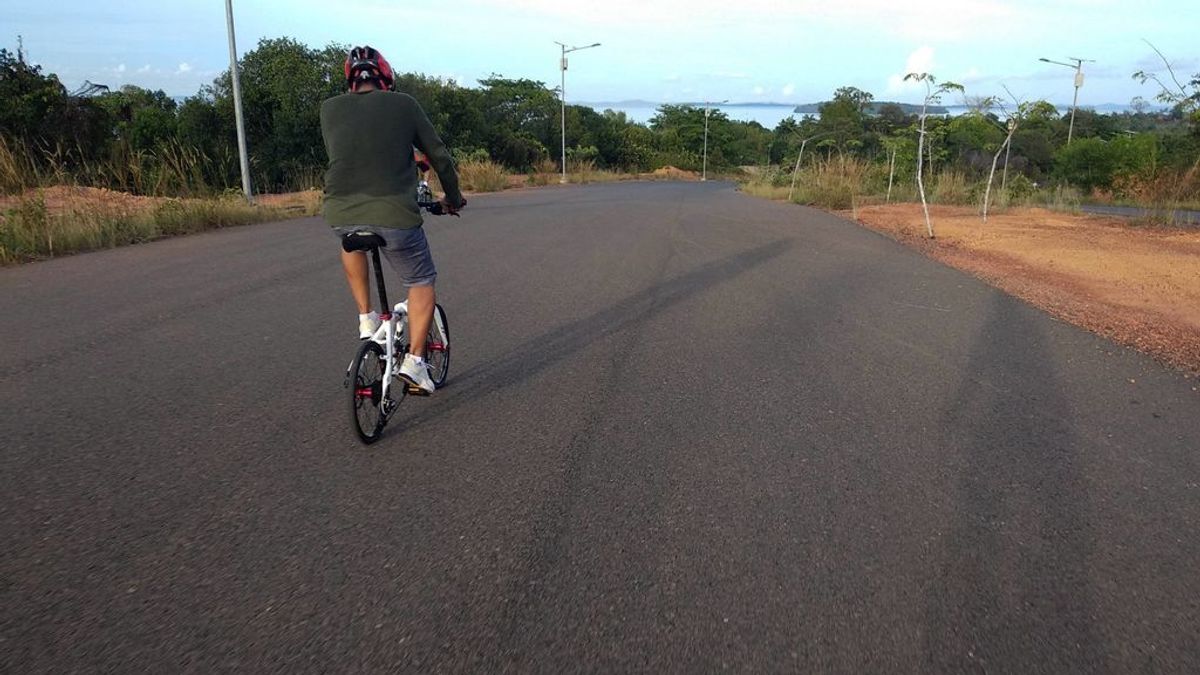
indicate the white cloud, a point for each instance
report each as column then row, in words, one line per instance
column 759, row 91
column 185, row 67
column 920, row 61
column 144, row 69
column 972, row 76
column 120, row 68
column 788, row 89
column 926, row 20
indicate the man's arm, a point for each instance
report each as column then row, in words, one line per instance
column 439, row 157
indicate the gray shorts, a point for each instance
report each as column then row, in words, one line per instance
column 407, row 251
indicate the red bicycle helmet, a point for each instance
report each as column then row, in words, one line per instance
column 367, row 64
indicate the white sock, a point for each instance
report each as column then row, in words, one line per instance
column 373, row 316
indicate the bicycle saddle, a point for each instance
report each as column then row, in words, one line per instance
column 361, row 241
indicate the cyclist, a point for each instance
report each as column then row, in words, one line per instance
column 371, row 184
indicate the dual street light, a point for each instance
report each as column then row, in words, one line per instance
column 562, row 64
column 707, row 111
column 1078, row 66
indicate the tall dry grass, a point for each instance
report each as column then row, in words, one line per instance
column 30, row 230
column 834, row 183
column 171, row 170
column 953, row 187
column 584, row 171
column 482, row 176
column 17, row 170
column 544, row 172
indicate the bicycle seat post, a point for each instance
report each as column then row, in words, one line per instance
column 385, row 309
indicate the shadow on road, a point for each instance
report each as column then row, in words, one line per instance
column 1013, row 592
column 539, row 353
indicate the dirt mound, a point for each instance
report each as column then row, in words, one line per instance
column 305, row 201
column 60, row 199
column 675, row 173
column 66, row 198
column 1139, row 286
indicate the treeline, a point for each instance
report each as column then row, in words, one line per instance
column 1106, row 152
column 145, row 142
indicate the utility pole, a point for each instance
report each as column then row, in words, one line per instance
column 237, row 104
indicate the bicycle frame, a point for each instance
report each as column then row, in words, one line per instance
column 393, row 324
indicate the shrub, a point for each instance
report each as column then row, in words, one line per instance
column 1019, row 187
column 1087, row 163
column 466, row 155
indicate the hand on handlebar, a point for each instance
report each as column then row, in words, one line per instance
column 447, row 208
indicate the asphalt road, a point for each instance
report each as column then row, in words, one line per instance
column 685, row 431
column 1180, row 216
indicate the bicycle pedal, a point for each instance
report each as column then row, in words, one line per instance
column 414, row 390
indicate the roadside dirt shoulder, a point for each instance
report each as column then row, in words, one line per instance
column 1139, row 286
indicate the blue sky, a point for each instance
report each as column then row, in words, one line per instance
column 656, row 50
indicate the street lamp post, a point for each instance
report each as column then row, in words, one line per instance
column 562, row 65
column 237, row 104
column 1078, row 66
column 707, row 112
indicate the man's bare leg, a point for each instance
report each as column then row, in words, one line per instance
column 420, row 315
column 355, row 265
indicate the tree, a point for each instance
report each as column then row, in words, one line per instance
column 932, row 95
column 1184, row 98
column 897, row 147
column 842, row 119
column 1014, row 121
column 680, row 132
column 54, row 129
column 521, row 120
column 145, row 119
column 889, row 119
column 283, row 85
column 1087, row 163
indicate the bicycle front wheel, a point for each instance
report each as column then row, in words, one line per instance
column 437, row 347
column 369, row 410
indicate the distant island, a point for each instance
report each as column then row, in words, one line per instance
column 875, row 107
column 640, row 103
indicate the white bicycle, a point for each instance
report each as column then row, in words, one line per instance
column 374, row 375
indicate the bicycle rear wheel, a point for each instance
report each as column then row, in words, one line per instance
column 437, row 347
column 369, row 410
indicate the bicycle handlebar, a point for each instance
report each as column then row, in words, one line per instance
column 436, row 209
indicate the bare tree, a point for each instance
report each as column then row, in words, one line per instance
column 1014, row 121
column 1186, row 96
column 933, row 94
column 892, row 145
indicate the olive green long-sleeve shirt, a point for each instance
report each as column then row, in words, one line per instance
column 372, row 179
